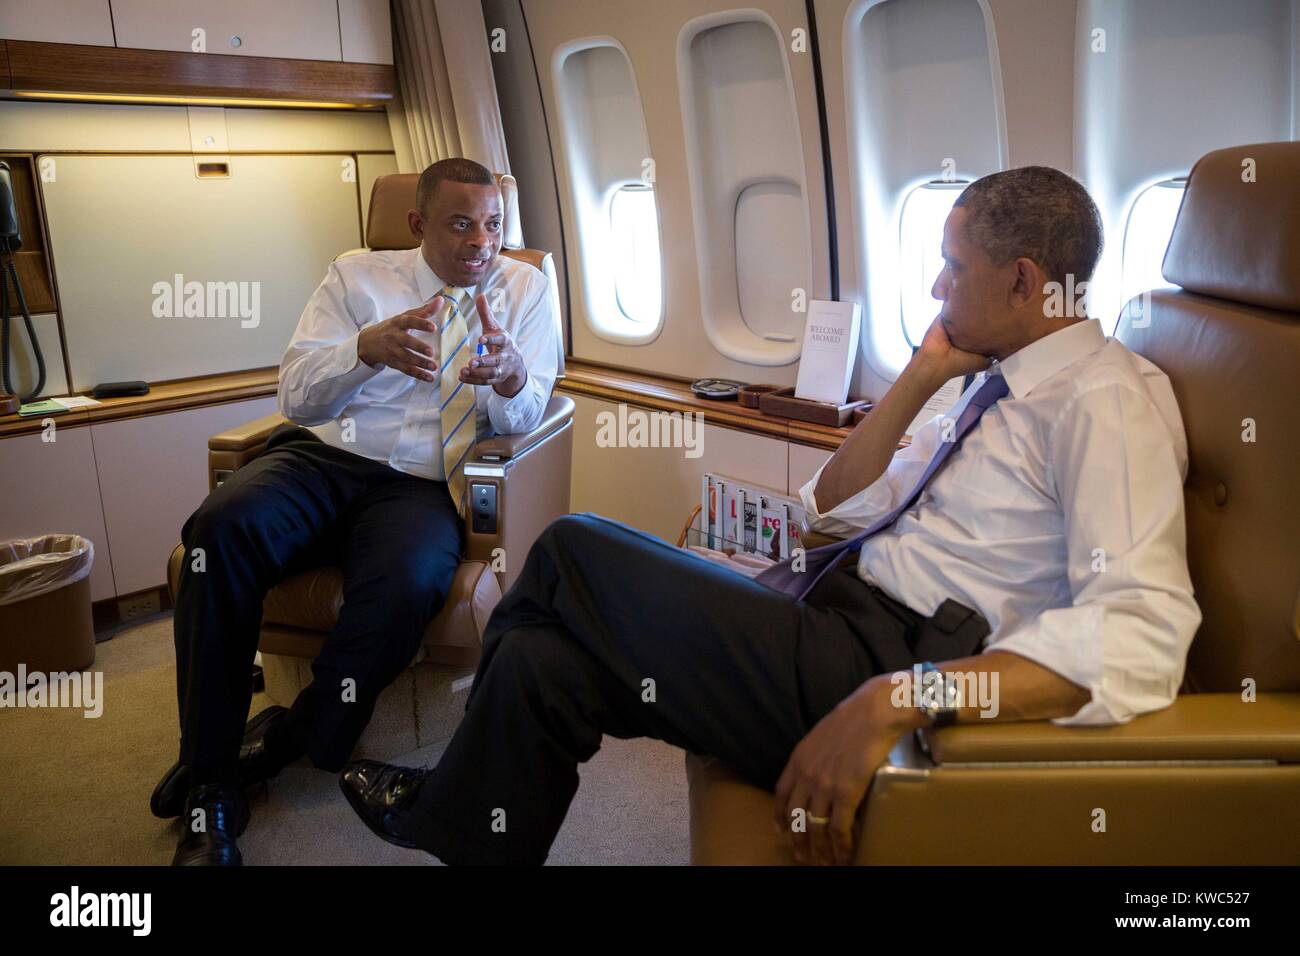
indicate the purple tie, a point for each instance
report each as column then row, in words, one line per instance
column 818, row 561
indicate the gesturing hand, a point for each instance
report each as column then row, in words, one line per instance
column 830, row 771
column 390, row 342
column 502, row 367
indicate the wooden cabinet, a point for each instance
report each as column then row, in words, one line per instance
column 350, row 31
column 290, row 29
column 127, row 485
column 654, row 489
column 366, row 31
column 57, row 21
column 323, row 51
column 48, row 485
column 804, row 462
column 153, row 473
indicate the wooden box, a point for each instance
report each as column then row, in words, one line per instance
column 784, row 403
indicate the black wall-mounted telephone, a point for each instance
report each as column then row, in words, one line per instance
column 11, row 241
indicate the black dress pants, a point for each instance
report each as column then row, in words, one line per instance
column 301, row 504
column 612, row 631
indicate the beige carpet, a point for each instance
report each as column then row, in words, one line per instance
column 76, row 791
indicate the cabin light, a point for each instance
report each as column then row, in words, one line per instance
column 159, row 100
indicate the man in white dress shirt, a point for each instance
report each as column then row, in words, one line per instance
column 401, row 360
column 1034, row 535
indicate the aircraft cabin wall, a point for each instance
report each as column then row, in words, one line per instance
column 692, row 181
column 129, row 211
column 919, row 99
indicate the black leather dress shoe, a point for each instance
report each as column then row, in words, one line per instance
column 256, row 762
column 215, row 815
column 168, row 799
column 381, row 794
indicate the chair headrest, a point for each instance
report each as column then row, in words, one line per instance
column 393, row 196
column 1237, row 235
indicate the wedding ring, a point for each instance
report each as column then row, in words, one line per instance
column 818, row 821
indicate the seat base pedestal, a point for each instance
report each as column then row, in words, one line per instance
column 418, row 709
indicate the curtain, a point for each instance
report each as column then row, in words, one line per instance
column 446, row 99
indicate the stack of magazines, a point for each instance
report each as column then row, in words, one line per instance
column 746, row 519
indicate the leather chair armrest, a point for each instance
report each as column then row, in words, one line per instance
column 236, row 447
column 174, row 571
column 1194, row 727
column 246, row 436
column 559, row 411
column 531, row 475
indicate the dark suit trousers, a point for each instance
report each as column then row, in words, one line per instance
column 301, row 504
column 612, row 631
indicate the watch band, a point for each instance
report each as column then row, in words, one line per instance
column 944, row 712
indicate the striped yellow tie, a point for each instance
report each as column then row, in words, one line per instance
column 459, row 425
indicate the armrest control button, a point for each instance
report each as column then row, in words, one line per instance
column 483, row 505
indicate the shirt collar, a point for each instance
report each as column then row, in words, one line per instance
column 1040, row 360
column 429, row 282
column 426, row 280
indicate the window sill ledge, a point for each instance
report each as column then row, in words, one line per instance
column 674, row 395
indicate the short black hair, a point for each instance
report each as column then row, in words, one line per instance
column 1039, row 213
column 450, row 170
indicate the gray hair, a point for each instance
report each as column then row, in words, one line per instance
column 1039, row 213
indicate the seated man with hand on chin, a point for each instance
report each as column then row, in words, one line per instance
column 385, row 369
column 976, row 551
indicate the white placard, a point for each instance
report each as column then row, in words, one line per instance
column 830, row 345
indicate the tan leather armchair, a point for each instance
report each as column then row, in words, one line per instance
column 1215, row 778
column 530, row 474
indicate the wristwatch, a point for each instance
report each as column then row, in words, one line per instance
column 939, row 708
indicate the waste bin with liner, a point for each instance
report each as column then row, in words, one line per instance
column 45, row 619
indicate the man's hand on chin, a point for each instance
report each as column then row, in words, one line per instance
column 830, row 771
column 943, row 360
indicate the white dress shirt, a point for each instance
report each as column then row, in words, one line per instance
column 388, row 415
column 1059, row 518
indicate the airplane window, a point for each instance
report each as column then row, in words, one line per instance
column 634, row 230
column 611, row 188
column 1146, row 236
column 920, row 256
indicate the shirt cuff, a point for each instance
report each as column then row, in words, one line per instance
column 1071, row 648
column 351, row 371
column 809, row 498
column 518, row 411
column 850, row 515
